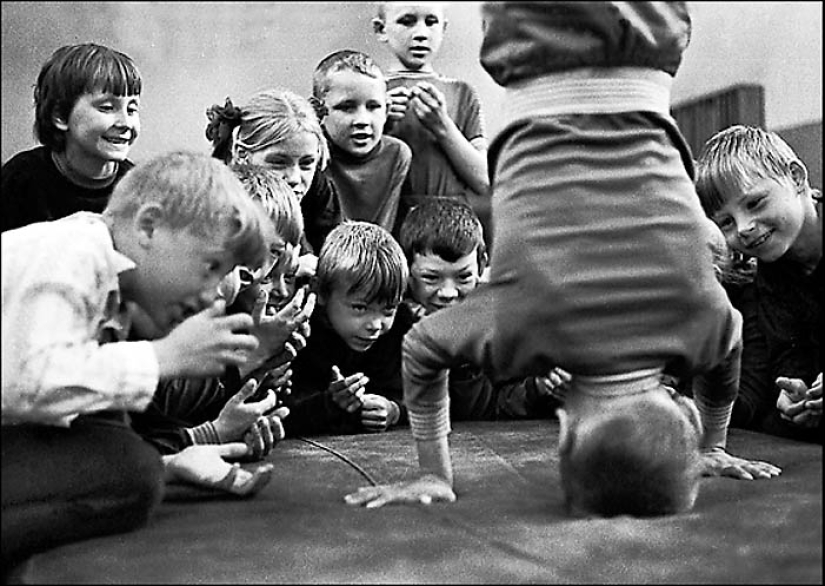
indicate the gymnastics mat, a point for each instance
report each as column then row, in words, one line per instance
column 507, row 526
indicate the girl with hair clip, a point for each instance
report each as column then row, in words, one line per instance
column 280, row 130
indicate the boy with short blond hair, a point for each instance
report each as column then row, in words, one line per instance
column 367, row 167
column 234, row 407
column 440, row 117
column 348, row 378
column 754, row 186
column 71, row 290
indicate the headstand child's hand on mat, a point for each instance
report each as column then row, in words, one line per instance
column 206, row 466
column 422, row 490
column 717, row 462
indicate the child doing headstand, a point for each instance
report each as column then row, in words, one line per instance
column 367, row 168
column 592, row 269
column 171, row 230
column 348, row 378
column 87, row 101
column 756, row 189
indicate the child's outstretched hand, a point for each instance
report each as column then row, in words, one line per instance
column 267, row 431
column 205, row 343
column 423, row 490
column 237, row 415
column 717, row 462
column 347, row 392
column 274, row 330
column 799, row 404
column 206, row 466
column 378, row 413
column 397, row 100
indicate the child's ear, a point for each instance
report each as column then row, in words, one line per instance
column 147, row 220
column 483, row 261
column 378, row 28
column 59, row 122
column 799, row 174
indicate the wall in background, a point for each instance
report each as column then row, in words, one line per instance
column 194, row 54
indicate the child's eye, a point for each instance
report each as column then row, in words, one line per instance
column 344, row 107
column 755, row 203
column 390, row 310
column 407, row 20
column 431, row 20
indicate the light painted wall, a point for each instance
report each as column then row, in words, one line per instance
column 776, row 44
column 194, row 54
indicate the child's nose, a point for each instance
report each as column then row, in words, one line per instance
column 292, row 175
column 448, row 291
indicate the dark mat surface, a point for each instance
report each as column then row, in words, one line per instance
column 507, row 526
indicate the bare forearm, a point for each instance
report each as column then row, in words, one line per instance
column 469, row 161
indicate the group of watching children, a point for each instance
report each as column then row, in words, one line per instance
column 326, row 271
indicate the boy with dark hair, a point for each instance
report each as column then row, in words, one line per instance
column 443, row 241
column 87, row 102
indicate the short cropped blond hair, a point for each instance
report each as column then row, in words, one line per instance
column 197, row 193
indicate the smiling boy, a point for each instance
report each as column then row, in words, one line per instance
column 87, row 117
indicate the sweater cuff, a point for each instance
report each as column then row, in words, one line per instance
column 430, row 422
column 205, row 433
